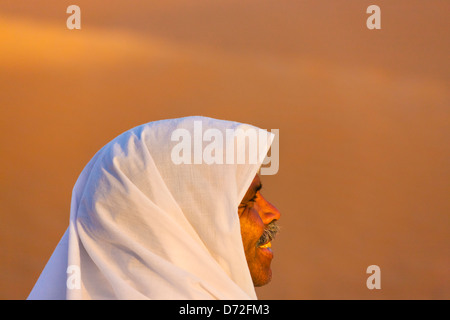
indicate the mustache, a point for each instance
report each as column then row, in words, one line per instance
column 270, row 231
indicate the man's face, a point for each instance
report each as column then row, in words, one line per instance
column 257, row 218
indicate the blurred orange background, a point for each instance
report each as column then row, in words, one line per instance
column 363, row 118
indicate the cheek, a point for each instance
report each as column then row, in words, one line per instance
column 252, row 228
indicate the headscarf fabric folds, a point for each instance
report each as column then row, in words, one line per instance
column 145, row 227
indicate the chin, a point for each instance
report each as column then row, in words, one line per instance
column 262, row 278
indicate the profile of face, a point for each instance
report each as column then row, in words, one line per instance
column 258, row 228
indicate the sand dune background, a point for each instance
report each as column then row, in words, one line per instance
column 363, row 116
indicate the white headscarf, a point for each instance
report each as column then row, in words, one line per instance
column 143, row 227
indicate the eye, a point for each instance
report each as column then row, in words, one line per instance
column 249, row 203
column 252, row 200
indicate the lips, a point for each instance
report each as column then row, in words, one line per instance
column 266, row 245
column 265, row 251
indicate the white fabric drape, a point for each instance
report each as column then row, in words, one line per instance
column 142, row 227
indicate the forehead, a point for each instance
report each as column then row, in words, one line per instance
column 256, row 182
column 254, row 186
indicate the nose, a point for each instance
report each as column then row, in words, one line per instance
column 268, row 212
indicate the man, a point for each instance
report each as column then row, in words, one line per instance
column 144, row 226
